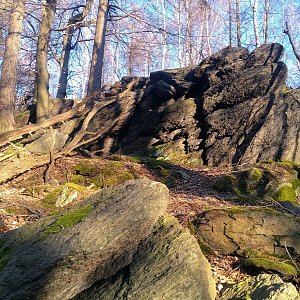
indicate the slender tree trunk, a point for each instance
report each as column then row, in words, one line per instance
column 63, row 78
column 207, row 31
column 42, row 81
column 67, row 48
column 9, row 68
column 238, row 23
column 164, row 35
column 254, row 19
column 178, row 14
column 266, row 21
column 95, row 77
column 230, row 22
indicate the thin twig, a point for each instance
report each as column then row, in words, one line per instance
column 287, row 251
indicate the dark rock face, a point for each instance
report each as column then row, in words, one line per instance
column 231, row 108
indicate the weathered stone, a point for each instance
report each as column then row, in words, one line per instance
column 261, row 287
column 59, row 256
column 240, row 229
column 50, row 141
column 168, row 265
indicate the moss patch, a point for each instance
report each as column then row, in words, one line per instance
column 282, row 268
column 68, row 219
column 102, row 175
column 51, row 198
column 109, row 178
column 84, row 169
column 285, row 193
column 225, row 184
column 4, row 256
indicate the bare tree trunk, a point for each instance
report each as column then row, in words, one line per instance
column 230, row 22
column 42, row 81
column 207, row 31
column 178, row 13
column 164, row 35
column 238, row 23
column 9, row 67
column 266, row 21
column 95, row 77
column 67, row 47
column 254, row 19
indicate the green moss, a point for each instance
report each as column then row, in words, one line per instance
column 10, row 210
column 68, row 219
column 4, row 257
column 154, row 163
column 116, row 164
column 51, row 198
column 271, row 265
column 225, row 184
column 110, row 178
column 285, row 193
column 136, row 159
column 77, row 187
column 84, row 169
column 78, row 179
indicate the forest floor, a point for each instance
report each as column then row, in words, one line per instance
column 191, row 193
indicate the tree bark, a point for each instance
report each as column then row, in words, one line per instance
column 9, row 68
column 255, row 26
column 67, row 48
column 164, row 35
column 238, row 23
column 266, row 21
column 42, row 80
column 95, row 77
column 230, row 22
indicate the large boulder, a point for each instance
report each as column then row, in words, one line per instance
column 261, row 229
column 168, row 265
column 59, row 256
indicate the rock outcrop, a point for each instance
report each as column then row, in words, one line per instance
column 231, row 108
column 261, row 287
column 116, row 242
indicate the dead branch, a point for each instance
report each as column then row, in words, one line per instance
column 287, row 32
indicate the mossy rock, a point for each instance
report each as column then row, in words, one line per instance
column 65, row 194
column 174, row 152
column 268, row 264
column 278, row 181
column 225, row 183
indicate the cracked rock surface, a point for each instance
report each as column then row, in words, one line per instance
column 260, row 229
column 233, row 107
